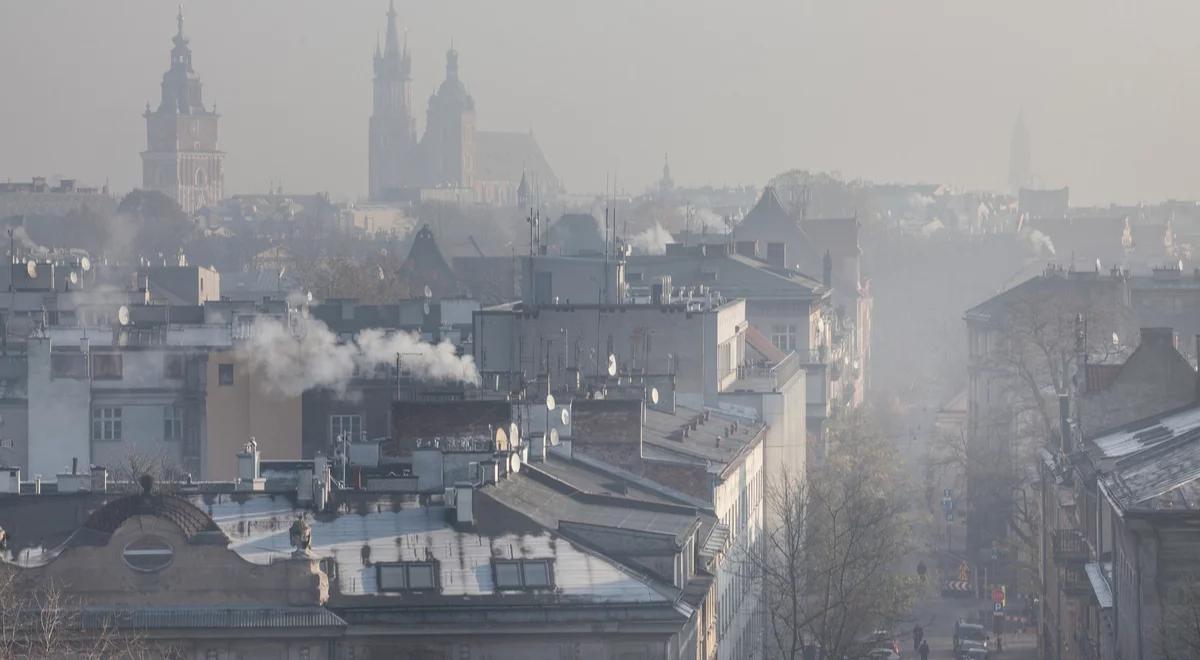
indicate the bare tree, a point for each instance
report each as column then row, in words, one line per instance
column 828, row 570
column 41, row 621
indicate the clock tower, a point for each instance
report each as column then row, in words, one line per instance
column 181, row 158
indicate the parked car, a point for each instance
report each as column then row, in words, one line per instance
column 970, row 650
column 969, row 632
column 883, row 639
column 883, row 654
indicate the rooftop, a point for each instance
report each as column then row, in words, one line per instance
column 1152, row 464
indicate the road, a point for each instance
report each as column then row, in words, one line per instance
column 935, row 612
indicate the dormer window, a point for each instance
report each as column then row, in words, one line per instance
column 523, row 574
column 407, row 576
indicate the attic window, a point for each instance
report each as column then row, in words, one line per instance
column 407, row 576
column 148, row 554
column 514, row 574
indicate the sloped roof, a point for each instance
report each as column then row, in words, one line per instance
column 111, row 516
column 220, row 618
column 768, row 211
column 1152, row 464
column 508, row 156
column 761, row 343
column 426, row 267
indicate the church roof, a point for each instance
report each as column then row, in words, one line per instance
column 507, row 156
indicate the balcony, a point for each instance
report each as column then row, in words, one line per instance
column 1075, row 583
column 1070, row 547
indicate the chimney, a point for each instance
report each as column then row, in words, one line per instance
column 827, row 270
column 248, row 468
column 1064, row 422
column 99, row 479
column 10, row 481
column 464, row 509
column 777, row 254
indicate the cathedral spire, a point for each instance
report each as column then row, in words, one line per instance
column 452, row 62
column 391, row 45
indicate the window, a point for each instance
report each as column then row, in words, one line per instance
column 172, row 423
column 407, row 576
column 147, row 554
column 225, row 373
column 106, row 423
column 349, row 425
column 784, row 337
column 106, row 366
column 173, row 366
column 68, row 365
column 523, row 573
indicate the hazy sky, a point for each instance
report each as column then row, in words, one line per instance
column 904, row 90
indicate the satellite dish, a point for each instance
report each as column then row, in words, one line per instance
column 612, row 365
column 514, row 433
column 428, row 291
column 654, row 395
column 123, row 315
column 426, row 308
column 85, row 264
column 549, row 402
column 31, row 269
column 73, row 277
column 514, row 463
column 553, row 437
column 501, row 440
column 309, row 296
column 565, row 416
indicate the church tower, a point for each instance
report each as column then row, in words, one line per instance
column 449, row 142
column 181, row 158
column 392, row 139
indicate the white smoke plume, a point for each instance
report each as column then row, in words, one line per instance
column 308, row 355
column 703, row 219
column 1041, row 241
column 21, row 237
column 652, row 241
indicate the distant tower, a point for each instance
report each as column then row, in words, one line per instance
column 524, row 198
column 181, row 158
column 449, row 142
column 393, row 130
column 666, row 185
column 1018, row 156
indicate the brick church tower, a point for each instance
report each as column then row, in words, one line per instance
column 392, row 140
column 181, row 158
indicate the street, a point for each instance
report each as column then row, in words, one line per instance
column 935, row 612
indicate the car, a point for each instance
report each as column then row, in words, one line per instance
column 971, row 650
column 969, row 632
column 883, row 639
column 883, row 654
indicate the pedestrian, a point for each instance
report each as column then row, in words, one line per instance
column 924, row 650
column 918, row 636
column 999, row 643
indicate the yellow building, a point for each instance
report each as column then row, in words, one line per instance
column 241, row 405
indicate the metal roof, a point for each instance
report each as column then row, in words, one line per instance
column 1152, row 464
column 211, row 617
column 1098, row 576
column 386, row 529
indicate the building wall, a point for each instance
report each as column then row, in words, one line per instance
column 246, row 408
column 370, row 400
column 1153, row 380
column 738, row 502
column 59, row 415
column 651, row 337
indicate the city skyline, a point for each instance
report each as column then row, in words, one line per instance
column 889, row 108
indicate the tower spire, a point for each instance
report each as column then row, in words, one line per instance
column 179, row 21
column 391, row 45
